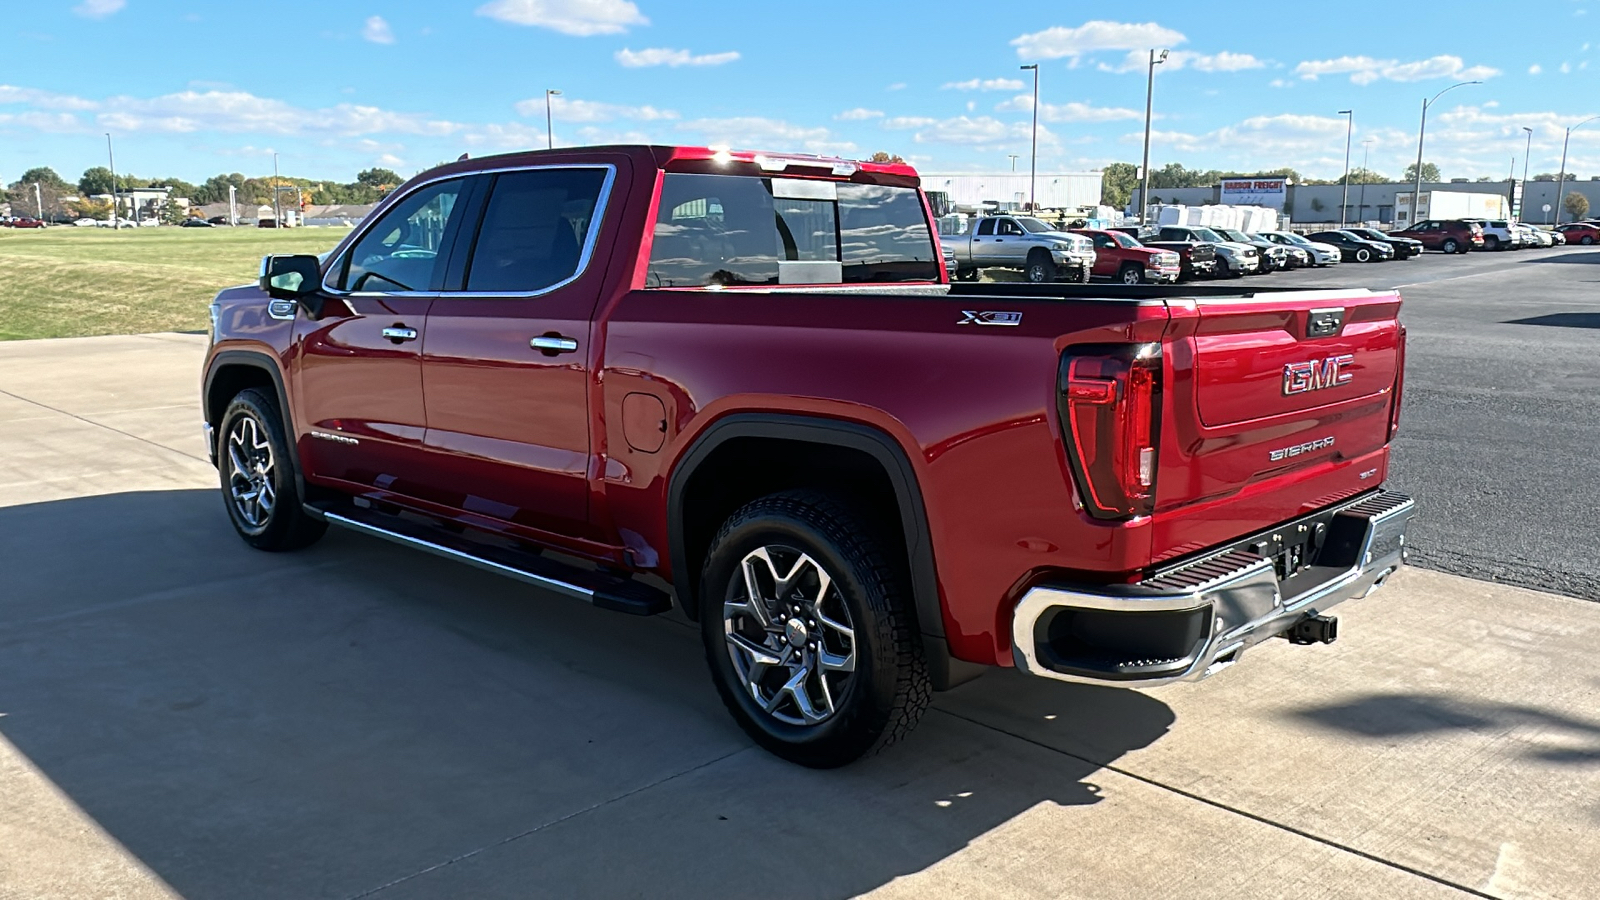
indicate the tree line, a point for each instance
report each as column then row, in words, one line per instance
column 56, row 197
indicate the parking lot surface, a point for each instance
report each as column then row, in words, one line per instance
column 180, row 715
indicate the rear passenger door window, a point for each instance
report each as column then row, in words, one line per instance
column 535, row 230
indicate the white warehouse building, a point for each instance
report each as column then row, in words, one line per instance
column 1009, row 190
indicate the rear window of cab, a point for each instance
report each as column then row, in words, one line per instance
column 730, row 230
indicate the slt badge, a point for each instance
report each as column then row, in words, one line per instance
column 972, row 317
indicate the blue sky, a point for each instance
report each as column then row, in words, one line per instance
column 190, row 89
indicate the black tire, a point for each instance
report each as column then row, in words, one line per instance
column 966, row 274
column 1131, row 273
column 1587, row 240
column 1041, row 269
column 252, row 431
column 1492, row 243
column 1363, row 255
column 1450, row 246
column 1224, row 270
column 888, row 689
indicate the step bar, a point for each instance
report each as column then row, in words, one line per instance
column 604, row 590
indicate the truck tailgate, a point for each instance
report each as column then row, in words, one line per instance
column 1279, row 403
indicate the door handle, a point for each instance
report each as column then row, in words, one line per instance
column 400, row 334
column 551, row 344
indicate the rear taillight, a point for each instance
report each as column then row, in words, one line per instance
column 1399, row 383
column 1110, row 405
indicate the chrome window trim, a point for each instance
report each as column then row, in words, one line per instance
column 601, row 205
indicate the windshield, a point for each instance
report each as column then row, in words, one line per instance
column 1124, row 240
column 1034, row 226
column 1206, row 234
column 1234, row 234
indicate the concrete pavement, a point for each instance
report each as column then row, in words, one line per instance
column 180, row 715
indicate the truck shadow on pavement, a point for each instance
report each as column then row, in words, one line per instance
column 1548, row 736
column 1561, row 320
column 357, row 719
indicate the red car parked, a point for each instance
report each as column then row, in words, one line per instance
column 747, row 374
column 1121, row 257
column 1448, row 235
column 26, row 222
column 1585, row 233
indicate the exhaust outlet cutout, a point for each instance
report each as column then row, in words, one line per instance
column 1314, row 629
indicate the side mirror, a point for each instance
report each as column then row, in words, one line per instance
column 290, row 277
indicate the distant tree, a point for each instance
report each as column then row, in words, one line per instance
column 1117, row 183
column 215, row 188
column 180, row 188
column 45, row 177
column 96, row 180
column 1359, row 175
column 84, row 208
column 1430, row 172
column 1483, row 178
column 882, row 157
column 382, row 179
column 1545, row 176
column 1576, row 205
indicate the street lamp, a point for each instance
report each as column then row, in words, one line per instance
column 112, row 158
column 1349, row 128
column 1033, row 153
column 1562, row 184
column 1013, row 158
column 1149, row 98
column 1361, row 205
column 549, row 129
column 1527, row 150
column 1416, row 197
column 277, row 210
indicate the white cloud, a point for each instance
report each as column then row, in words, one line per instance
column 1535, row 69
column 377, row 31
column 1226, row 61
column 1069, row 112
column 1565, row 68
column 237, row 111
column 576, row 17
column 859, row 114
column 43, row 99
column 897, row 86
column 663, row 56
column 757, row 132
column 1056, row 42
column 389, row 160
column 985, row 84
column 979, row 133
column 50, row 123
column 591, row 111
column 1366, row 70
column 98, row 9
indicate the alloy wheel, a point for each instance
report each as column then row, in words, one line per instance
column 790, row 635
column 251, row 473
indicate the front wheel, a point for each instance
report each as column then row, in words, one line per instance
column 1041, row 271
column 258, row 481
column 1132, row 274
column 1450, row 246
column 808, row 631
column 1363, row 255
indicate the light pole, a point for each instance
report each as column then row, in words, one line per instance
column 1416, row 196
column 1527, row 150
column 549, row 127
column 277, row 214
column 1361, row 205
column 1562, row 183
column 112, row 159
column 1033, row 152
column 1149, row 99
column 1013, row 157
column 38, row 201
column 1349, row 129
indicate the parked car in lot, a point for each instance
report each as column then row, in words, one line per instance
column 745, row 376
column 1559, row 238
column 1353, row 247
column 197, row 223
column 1533, row 237
column 1274, row 256
column 1195, row 260
column 1500, row 234
column 1585, row 233
column 1233, row 260
column 86, row 223
column 1448, row 235
column 25, row 222
column 218, row 220
column 1321, row 254
column 1404, row 247
column 1031, row 246
column 1121, row 257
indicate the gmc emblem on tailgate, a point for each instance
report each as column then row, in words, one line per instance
column 1316, row 374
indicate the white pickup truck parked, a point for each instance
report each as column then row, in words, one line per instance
column 1029, row 245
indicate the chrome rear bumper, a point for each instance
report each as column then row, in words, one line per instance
column 1198, row 618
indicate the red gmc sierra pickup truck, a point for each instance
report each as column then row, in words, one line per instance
column 742, row 383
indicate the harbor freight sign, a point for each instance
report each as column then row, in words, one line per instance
column 1270, row 192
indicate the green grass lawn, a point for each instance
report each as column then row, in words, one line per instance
column 69, row 282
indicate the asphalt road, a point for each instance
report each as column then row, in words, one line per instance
column 1501, row 417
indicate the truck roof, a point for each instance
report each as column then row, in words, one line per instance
column 705, row 160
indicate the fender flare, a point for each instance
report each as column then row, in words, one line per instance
column 816, row 430
column 256, row 359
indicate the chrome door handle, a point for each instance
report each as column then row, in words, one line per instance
column 400, row 333
column 553, row 344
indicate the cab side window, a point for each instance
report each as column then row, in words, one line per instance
column 1007, row 226
column 1101, row 240
column 535, row 226
column 986, row 227
column 401, row 252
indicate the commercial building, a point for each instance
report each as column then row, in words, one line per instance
column 974, row 191
column 1318, row 204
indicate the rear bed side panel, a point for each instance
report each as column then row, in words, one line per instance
column 973, row 406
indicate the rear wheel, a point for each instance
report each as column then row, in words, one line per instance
column 966, row 274
column 1363, row 254
column 1491, row 243
column 808, row 631
column 1450, row 246
column 258, row 480
column 1131, row 273
column 1586, row 240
